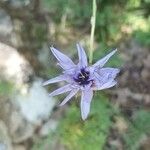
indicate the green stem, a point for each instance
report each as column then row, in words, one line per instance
column 93, row 21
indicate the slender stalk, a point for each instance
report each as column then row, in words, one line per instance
column 93, row 21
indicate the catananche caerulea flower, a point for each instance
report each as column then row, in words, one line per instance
column 83, row 78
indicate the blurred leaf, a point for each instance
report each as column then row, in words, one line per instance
column 5, row 88
column 142, row 37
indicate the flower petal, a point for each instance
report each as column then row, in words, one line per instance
column 104, row 75
column 85, row 103
column 64, row 61
column 71, row 94
column 61, row 90
column 54, row 80
column 82, row 57
column 102, row 61
column 70, row 71
column 100, row 86
column 107, row 85
column 108, row 72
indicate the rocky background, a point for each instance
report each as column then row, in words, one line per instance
column 29, row 119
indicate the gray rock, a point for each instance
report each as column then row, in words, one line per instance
column 19, row 147
column 18, row 129
column 19, row 3
column 44, row 56
column 6, row 26
column 5, row 141
column 48, row 127
column 13, row 66
column 16, row 38
column 36, row 105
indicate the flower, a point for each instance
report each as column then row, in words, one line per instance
column 82, row 77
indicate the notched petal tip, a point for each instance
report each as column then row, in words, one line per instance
column 61, row 90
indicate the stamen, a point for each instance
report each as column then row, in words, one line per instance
column 83, row 77
column 86, row 74
column 80, row 77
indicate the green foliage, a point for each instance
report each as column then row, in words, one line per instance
column 140, row 27
column 76, row 11
column 111, row 16
column 74, row 133
column 143, row 37
column 91, row 134
column 5, row 88
column 108, row 23
column 39, row 32
column 135, row 3
column 137, row 129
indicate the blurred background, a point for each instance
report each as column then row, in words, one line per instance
column 119, row 117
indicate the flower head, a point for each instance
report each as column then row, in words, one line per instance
column 81, row 77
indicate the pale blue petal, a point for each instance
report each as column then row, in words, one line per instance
column 104, row 78
column 99, row 80
column 71, row 94
column 54, row 80
column 102, row 61
column 108, row 73
column 64, row 61
column 71, row 71
column 82, row 57
column 107, row 85
column 86, row 99
column 61, row 90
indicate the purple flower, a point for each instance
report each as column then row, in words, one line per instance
column 82, row 77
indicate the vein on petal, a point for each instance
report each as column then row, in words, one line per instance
column 71, row 94
column 110, row 83
column 61, row 90
column 82, row 56
column 64, row 61
column 110, row 72
column 86, row 98
column 54, row 80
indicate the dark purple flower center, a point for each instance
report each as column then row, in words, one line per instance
column 83, row 77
